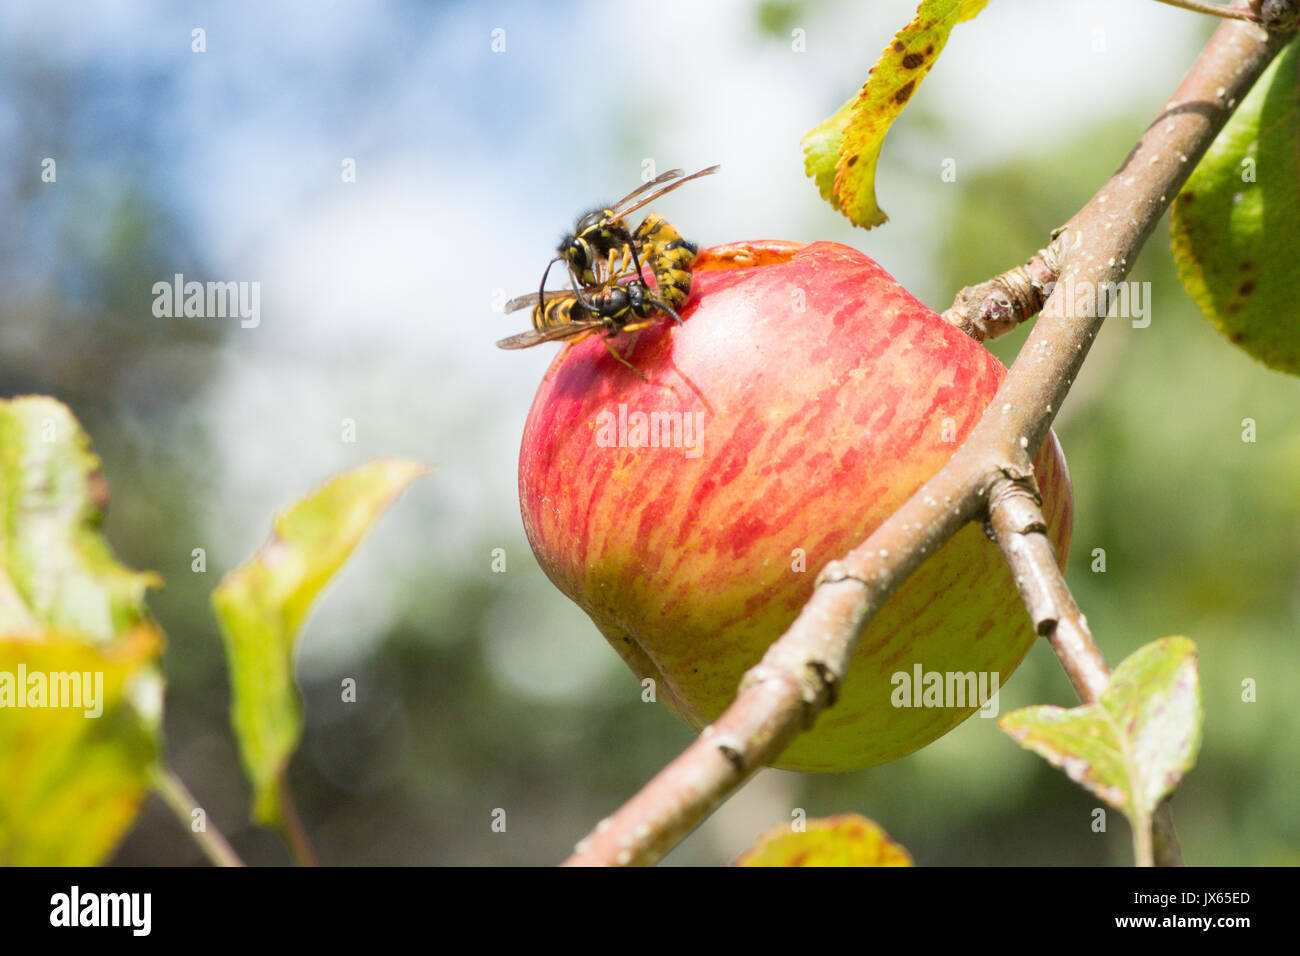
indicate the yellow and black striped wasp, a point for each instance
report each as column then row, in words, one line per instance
column 669, row 256
column 601, row 237
column 612, row 308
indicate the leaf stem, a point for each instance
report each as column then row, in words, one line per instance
column 1143, row 855
column 295, row 834
column 181, row 802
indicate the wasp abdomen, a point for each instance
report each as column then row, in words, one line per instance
column 669, row 256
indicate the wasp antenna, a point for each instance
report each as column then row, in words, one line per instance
column 541, row 289
column 661, row 304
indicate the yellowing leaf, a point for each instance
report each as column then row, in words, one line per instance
column 1235, row 226
column 80, row 692
column 841, row 153
column 821, row 151
column 846, row 840
column 1134, row 745
column 72, row 776
column 262, row 604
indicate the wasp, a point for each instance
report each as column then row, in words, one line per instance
column 600, row 238
column 669, row 256
column 611, row 309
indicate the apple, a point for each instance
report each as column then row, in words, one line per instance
column 804, row 398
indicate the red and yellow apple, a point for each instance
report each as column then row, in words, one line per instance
column 806, row 396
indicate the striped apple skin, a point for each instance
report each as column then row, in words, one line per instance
column 821, row 395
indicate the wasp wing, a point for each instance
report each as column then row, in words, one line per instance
column 532, row 298
column 646, row 200
column 657, row 181
column 533, row 337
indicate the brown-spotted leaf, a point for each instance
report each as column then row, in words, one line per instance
column 846, row 840
column 1235, row 227
column 841, row 153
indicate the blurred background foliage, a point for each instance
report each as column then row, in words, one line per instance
column 478, row 690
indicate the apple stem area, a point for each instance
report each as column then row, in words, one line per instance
column 989, row 479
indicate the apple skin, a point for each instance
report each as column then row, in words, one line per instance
column 817, row 423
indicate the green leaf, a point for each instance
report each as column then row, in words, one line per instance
column 1235, row 226
column 847, row 840
column 261, row 606
column 55, row 569
column 841, row 153
column 1133, row 746
column 80, row 690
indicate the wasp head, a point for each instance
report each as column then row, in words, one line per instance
column 636, row 296
column 579, row 255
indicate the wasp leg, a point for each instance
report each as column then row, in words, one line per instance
column 616, row 265
column 570, row 343
column 638, row 326
column 636, row 371
column 626, row 264
column 629, row 244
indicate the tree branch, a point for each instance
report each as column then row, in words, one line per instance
column 798, row 676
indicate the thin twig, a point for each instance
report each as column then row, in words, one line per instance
column 994, row 308
column 1096, row 247
column 1214, row 9
column 1018, row 526
column 181, row 802
column 1020, row 529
